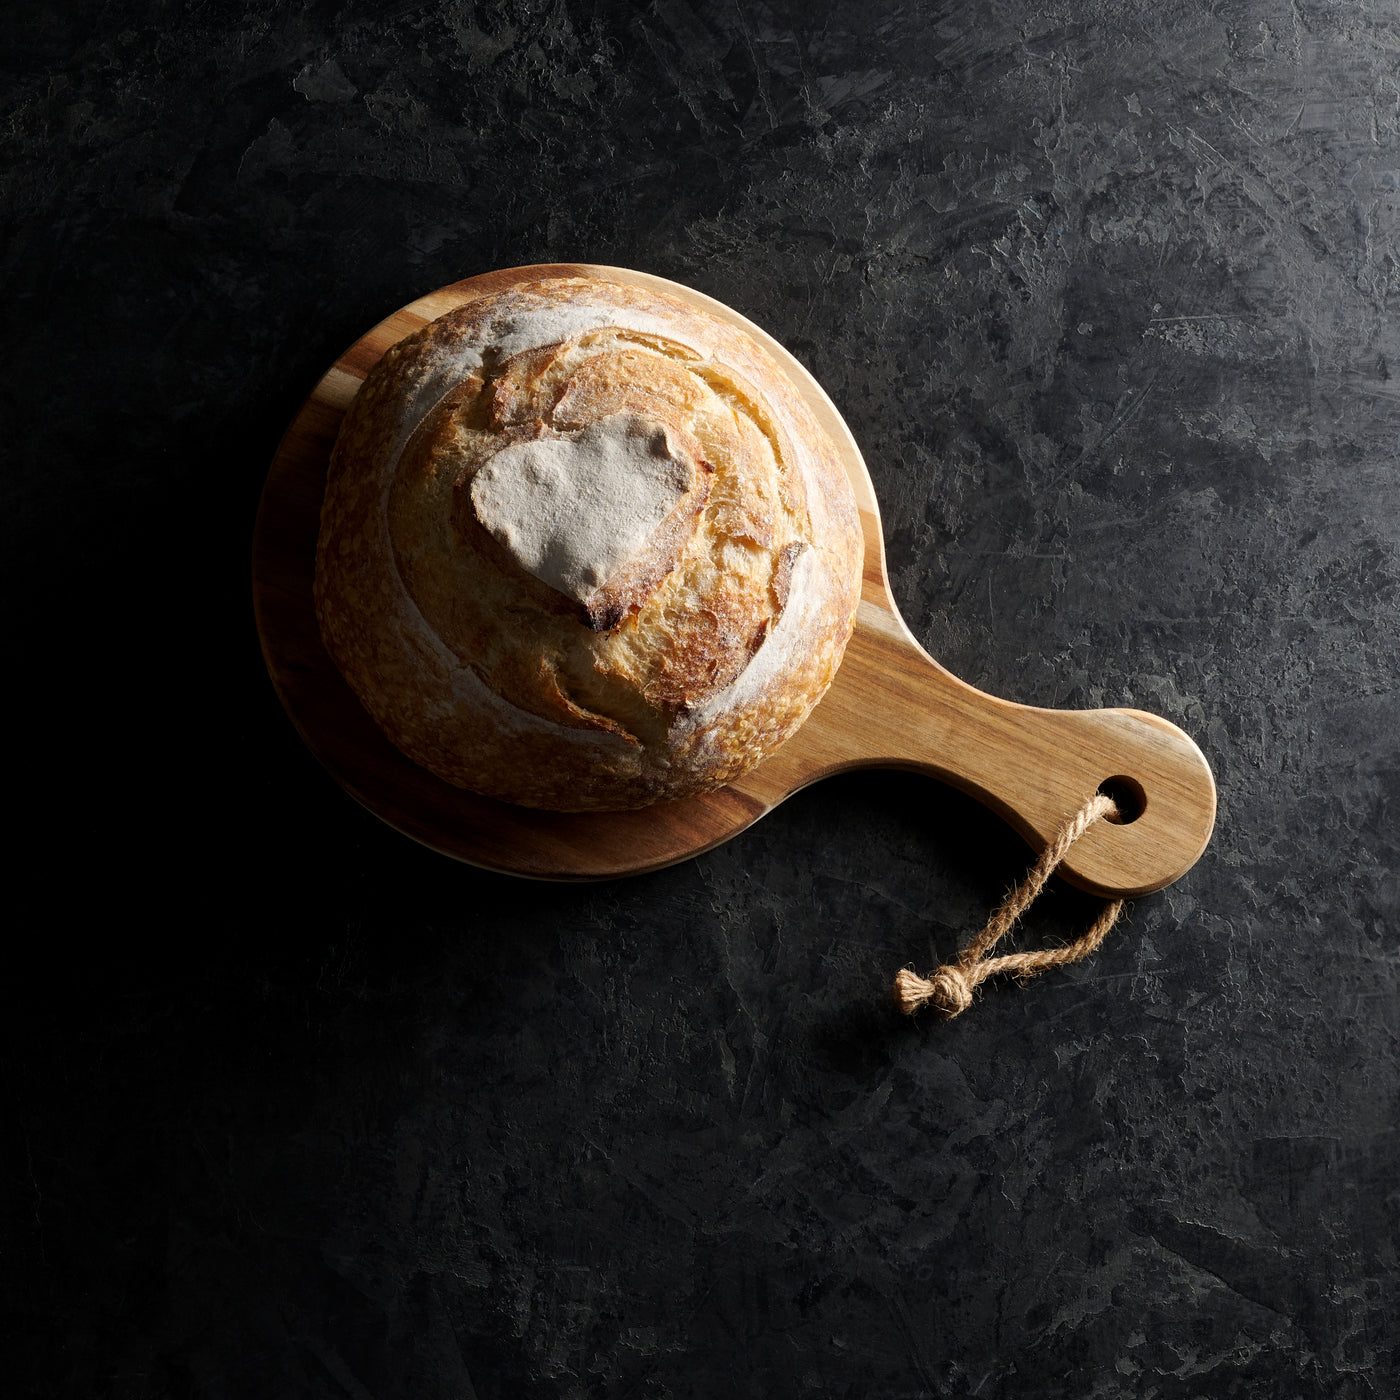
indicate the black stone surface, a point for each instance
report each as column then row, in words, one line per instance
column 1108, row 293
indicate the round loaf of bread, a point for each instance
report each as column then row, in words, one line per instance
column 585, row 547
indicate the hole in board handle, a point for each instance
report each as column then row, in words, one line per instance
column 1129, row 796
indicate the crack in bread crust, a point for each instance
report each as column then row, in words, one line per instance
column 693, row 660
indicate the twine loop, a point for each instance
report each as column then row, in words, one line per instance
column 948, row 989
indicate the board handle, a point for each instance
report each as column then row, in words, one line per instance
column 1035, row 767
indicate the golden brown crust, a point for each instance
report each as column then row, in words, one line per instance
column 697, row 654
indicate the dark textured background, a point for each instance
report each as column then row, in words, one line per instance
column 1108, row 293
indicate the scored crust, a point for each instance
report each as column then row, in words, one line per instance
column 584, row 547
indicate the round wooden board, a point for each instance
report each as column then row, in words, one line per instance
column 890, row 705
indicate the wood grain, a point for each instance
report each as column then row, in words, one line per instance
column 891, row 704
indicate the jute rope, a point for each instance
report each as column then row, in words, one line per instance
column 949, row 989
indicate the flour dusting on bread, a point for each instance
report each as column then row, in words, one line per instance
column 573, row 508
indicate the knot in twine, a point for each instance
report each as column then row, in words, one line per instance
column 948, row 991
column 949, row 988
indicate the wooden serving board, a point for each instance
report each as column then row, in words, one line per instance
column 891, row 704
